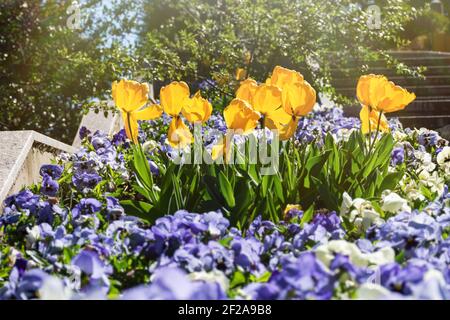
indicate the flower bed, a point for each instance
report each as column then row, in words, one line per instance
column 345, row 215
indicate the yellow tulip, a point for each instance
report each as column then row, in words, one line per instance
column 239, row 115
column 129, row 97
column 282, row 76
column 174, row 97
column 197, row 109
column 396, row 98
column 267, row 101
column 287, row 131
column 247, row 90
column 179, row 135
column 222, row 149
column 380, row 94
column 369, row 121
column 298, row 99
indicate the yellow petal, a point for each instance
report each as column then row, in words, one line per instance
column 396, row 98
column 267, row 98
column 179, row 135
column 282, row 76
column 288, row 130
column 131, row 126
column 129, row 95
column 197, row 109
column 221, row 149
column 152, row 112
column 370, row 120
column 174, row 97
column 240, row 116
column 298, row 99
column 371, row 90
column 277, row 119
column 247, row 90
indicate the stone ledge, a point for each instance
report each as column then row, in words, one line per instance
column 21, row 155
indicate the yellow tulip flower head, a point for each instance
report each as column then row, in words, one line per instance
column 222, row 149
column 174, row 97
column 298, row 99
column 369, row 121
column 288, row 130
column 396, row 98
column 247, row 90
column 380, row 94
column 179, row 135
column 129, row 97
column 239, row 115
column 197, row 109
column 282, row 76
column 267, row 101
column 370, row 90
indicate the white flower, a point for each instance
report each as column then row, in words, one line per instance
column 325, row 253
column 392, row 202
column 425, row 159
column 360, row 212
column 443, row 157
column 371, row 291
column 32, row 236
column 399, row 135
column 54, row 289
column 213, row 276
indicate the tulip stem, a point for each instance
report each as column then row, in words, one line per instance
column 370, row 127
column 378, row 130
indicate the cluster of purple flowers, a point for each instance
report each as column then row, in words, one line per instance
column 70, row 238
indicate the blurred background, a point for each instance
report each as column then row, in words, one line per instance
column 58, row 58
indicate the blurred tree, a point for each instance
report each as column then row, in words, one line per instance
column 55, row 59
column 199, row 39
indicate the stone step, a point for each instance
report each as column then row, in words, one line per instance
column 417, row 108
column 420, row 91
column 22, row 155
column 410, row 61
column 440, row 70
column 429, row 122
column 400, row 80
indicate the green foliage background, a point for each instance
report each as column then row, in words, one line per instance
column 50, row 74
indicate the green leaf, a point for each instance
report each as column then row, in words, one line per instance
column 138, row 209
column 226, row 190
column 238, row 279
column 307, row 215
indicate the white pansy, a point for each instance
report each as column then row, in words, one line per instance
column 443, row 157
column 54, row 289
column 33, row 235
column 213, row 276
column 392, row 202
column 372, row 291
column 425, row 159
column 360, row 212
column 326, row 252
column 432, row 181
column 411, row 190
column 399, row 136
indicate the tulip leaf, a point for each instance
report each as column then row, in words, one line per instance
column 138, row 209
column 226, row 190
